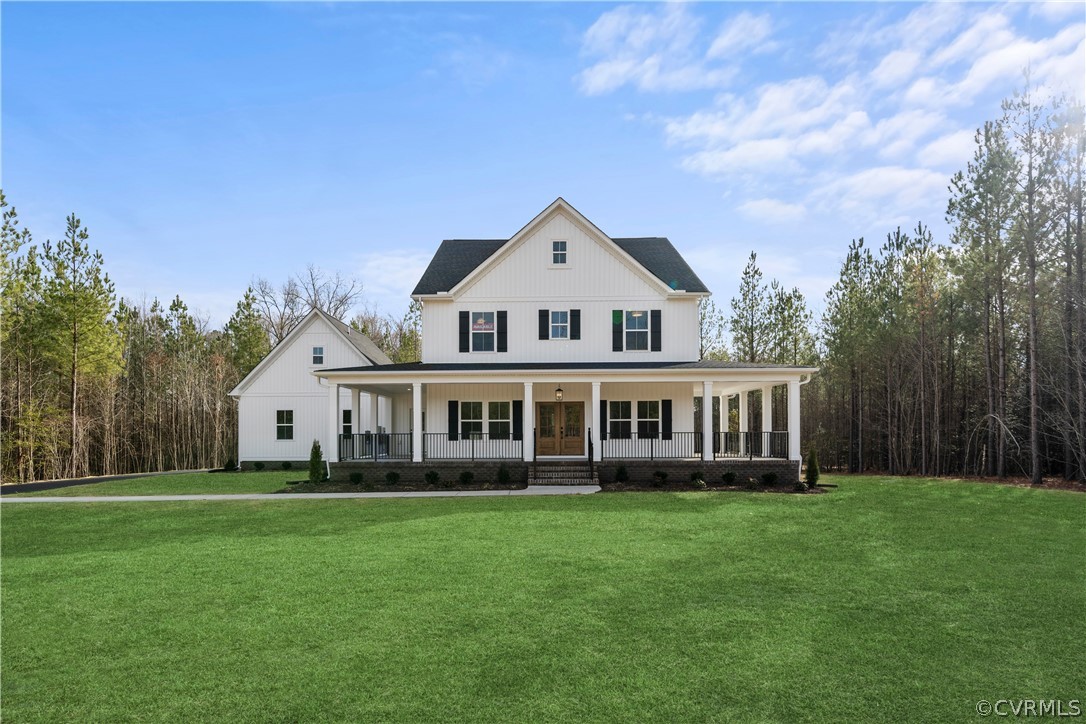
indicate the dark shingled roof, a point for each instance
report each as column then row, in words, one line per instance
column 361, row 342
column 527, row 366
column 456, row 258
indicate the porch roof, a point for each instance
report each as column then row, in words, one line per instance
column 732, row 376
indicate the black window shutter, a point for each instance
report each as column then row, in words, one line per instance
column 654, row 331
column 616, row 330
column 665, row 419
column 603, row 419
column 575, row 324
column 465, row 331
column 503, row 333
column 454, row 418
column 518, row 419
column 544, row 324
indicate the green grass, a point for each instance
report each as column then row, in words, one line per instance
column 887, row 599
column 182, row 484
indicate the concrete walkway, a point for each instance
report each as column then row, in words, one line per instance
column 530, row 490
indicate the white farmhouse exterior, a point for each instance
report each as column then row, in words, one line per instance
column 561, row 343
column 283, row 408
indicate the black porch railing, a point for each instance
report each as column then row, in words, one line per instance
column 751, row 445
column 677, row 445
column 475, row 446
column 375, row 446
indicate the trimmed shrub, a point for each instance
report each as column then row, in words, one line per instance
column 801, row 487
column 752, row 484
column 622, row 475
column 467, row 478
column 699, row 484
column 659, row 478
column 769, row 479
column 258, row 466
column 432, row 477
column 286, row 465
column 230, row 465
column 813, row 473
column 356, row 478
column 316, row 463
column 504, row 478
column 728, row 478
column 696, row 477
column 392, row 477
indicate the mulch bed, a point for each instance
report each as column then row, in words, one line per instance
column 304, row 487
column 632, row 487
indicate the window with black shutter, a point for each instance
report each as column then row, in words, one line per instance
column 465, row 331
column 575, row 324
column 665, row 419
column 655, row 330
column 454, row 419
column 503, row 331
column 544, row 324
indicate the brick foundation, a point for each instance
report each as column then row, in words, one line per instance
column 485, row 471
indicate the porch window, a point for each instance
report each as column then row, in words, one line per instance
column 559, row 325
column 284, row 424
column 500, row 420
column 471, row 419
column 318, row 355
column 558, row 252
column 648, row 418
column 619, row 420
column 482, row 332
column 347, row 426
column 637, row 330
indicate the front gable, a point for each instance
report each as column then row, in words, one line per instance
column 594, row 265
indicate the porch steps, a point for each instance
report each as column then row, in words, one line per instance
column 562, row 474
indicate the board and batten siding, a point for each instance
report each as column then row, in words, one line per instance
column 594, row 280
column 286, row 383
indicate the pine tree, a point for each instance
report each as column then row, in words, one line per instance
column 750, row 315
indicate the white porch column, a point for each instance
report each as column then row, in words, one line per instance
column 793, row 421
column 416, row 422
column 331, row 445
column 528, row 424
column 374, row 397
column 356, row 410
column 707, row 420
column 744, row 424
column 722, row 416
column 767, row 409
column 594, row 416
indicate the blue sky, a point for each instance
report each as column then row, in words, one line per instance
column 205, row 144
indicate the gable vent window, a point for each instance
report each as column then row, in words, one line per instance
column 318, row 355
column 558, row 252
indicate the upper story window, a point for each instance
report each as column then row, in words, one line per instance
column 559, row 325
column 637, row 330
column 318, row 355
column 558, row 252
column 482, row 331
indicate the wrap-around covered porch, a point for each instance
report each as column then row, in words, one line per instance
column 531, row 412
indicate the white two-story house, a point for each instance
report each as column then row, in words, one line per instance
column 561, row 343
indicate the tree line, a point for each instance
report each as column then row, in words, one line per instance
column 958, row 357
column 91, row 384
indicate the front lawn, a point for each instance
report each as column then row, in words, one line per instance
column 181, row 484
column 887, row 599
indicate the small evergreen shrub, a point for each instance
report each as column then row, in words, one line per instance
column 258, row 466
column 356, row 478
column 769, row 479
column 813, row 473
column 700, row 484
column 286, row 465
column 316, row 463
column 467, row 478
column 622, row 475
column 801, row 487
column 659, row 478
column 432, row 477
column 697, row 476
column 504, row 478
column 230, row 465
column 392, row 477
column 752, row 484
column 728, row 478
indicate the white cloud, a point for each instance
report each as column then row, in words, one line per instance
column 1056, row 11
column 773, row 211
column 388, row 277
column 954, row 150
column 877, row 192
column 894, row 69
column 742, row 32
